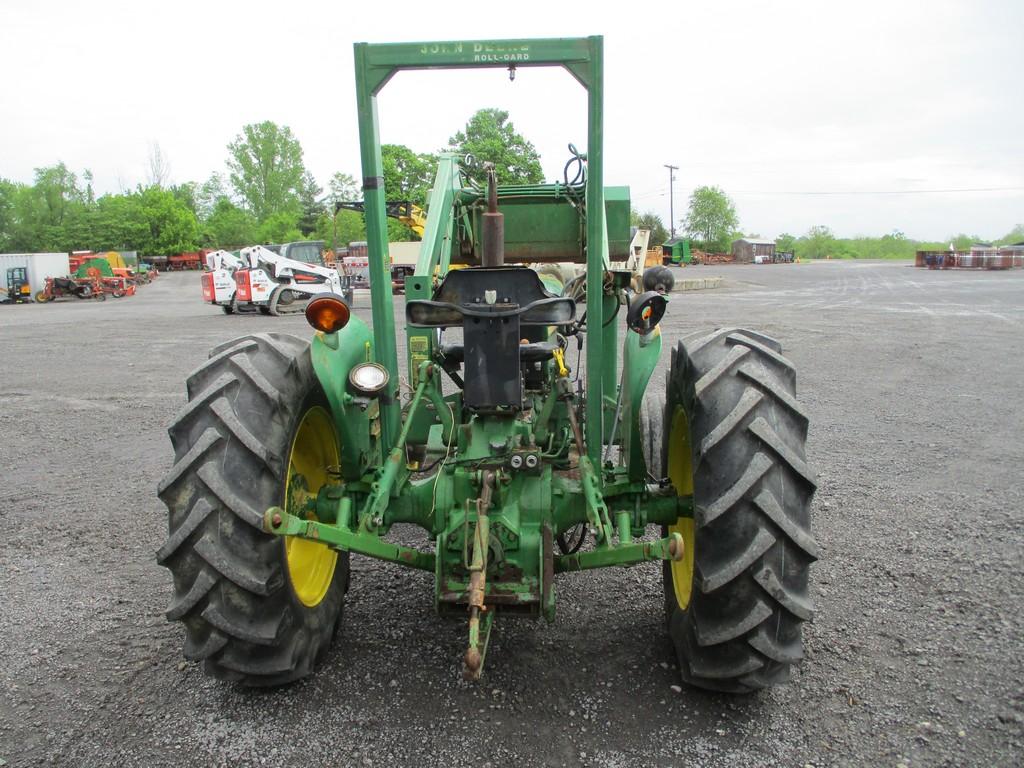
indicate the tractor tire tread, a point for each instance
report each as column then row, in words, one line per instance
column 231, row 591
column 200, row 648
column 652, row 429
column 203, row 583
column 752, row 492
column 199, row 512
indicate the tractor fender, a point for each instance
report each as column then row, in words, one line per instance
column 639, row 359
column 334, row 355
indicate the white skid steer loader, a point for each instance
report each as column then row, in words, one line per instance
column 272, row 283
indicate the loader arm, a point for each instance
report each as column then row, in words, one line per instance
column 281, row 266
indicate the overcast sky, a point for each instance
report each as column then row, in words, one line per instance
column 804, row 112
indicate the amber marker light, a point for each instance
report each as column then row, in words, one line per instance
column 327, row 313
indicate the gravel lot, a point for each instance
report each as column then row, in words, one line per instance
column 913, row 382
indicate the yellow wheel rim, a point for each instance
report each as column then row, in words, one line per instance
column 314, row 449
column 680, row 472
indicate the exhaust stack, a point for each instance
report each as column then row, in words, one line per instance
column 492, row 240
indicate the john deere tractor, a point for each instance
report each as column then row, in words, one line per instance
column 291, row 454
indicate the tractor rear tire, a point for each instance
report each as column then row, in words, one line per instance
column 734, row 437
column 247, row 615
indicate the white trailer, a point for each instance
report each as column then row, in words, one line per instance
column 39, row 266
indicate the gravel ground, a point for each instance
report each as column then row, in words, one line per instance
column 912, row 379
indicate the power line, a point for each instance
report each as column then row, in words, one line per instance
column 886, row 192
column 648, row 194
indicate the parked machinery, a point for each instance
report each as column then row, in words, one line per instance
column 189, row 260
column 19, row 291
column 97, row 273
column 219, row 279
column 291, row 455
column 677, row 252
column 273, row 283
column 65, row 287
column 356, row 263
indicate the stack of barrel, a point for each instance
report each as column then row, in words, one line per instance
column 1008, row 257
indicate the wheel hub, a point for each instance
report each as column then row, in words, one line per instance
column 314, row 448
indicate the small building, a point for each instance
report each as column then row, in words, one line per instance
column 747, row 249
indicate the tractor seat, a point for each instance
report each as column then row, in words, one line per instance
column 498, row 309
column 531, row 352
column 490, row 293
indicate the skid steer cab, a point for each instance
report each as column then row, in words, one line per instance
column 523, row 433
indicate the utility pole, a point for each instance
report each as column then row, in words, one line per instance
column 671, row 199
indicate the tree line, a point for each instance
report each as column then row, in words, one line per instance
column 264, row 194
column 712, row 224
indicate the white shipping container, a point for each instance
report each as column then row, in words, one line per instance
column 404, row 253
column 40, row 266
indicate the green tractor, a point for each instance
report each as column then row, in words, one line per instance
column 291, row 454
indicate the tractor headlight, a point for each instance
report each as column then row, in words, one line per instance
column 368, row 379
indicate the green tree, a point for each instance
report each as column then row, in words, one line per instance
column 78, row 231
column 119, row 222
column 58, row 188
column 338, row 231
column 785, row 242
column 280, row 227
column 818, row 243
column 962, row 242
column 87, row 193
column 31, row 225
column 266, row 167
column 1015, row 235
column 228, row 225
column 407, row 175
column 208, row 194
column 173, row 227
column 8, row 190
column 711, row 218
column 490, row 137
column 399, row 233
column 187, row 193
column 651, row 221
column 344, row 188
column 312, row 206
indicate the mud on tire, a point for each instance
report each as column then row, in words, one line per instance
column 231, row 443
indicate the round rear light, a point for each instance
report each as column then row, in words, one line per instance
column 368, row 378
column 328, row 313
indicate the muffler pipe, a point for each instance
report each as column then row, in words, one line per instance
column 492, row 240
